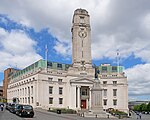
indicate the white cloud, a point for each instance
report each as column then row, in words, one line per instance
column 17, row 49
column 146, row 23
column 128, row 24
column 61, row 48
column 139, row 79
column 21, row 39
column 115, row 24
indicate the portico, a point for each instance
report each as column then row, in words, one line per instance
column 83, row 92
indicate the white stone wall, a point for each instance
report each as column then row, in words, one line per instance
column 41, row 94
column 23, row 89
column 122, row 93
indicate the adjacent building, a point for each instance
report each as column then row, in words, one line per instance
column 7, row 73
column 49, row 84
column 1, row 92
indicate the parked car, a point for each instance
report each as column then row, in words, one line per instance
column 8, row 105
column 25, row 111
column 13, row 108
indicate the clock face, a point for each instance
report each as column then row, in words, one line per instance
column 82, row 34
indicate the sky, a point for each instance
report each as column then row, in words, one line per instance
column 26, row 26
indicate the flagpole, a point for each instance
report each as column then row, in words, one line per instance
column 46, row 52
column 118, row 61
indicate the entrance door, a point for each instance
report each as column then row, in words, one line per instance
column 83, row 104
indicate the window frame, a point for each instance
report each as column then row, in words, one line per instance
column 114, row 92
column 61, row 101
column 50, row 89
column 60, row 90
column 51, row 100
column 105, row 102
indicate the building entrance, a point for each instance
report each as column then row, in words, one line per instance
column 83, row 104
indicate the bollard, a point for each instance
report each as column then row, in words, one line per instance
column 108, row 116
column 83, row 114
column 119, row 116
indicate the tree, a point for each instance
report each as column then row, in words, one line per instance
column 143, row 107
column 136, row 108
column 148, row 107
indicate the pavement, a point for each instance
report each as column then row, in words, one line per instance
column 41, row 114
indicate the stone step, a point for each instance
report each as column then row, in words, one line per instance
column 95, row 114
column 98, row 115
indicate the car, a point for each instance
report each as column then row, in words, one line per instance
column 25, row 111
column 8, row 105
column 13, row 108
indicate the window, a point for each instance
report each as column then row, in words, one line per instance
column 59, row 80
column 60, row 90
column 50, row 90
column 25, row 100
column 81, row 19
column 114, row 102
column 104, row 82
column 59, row 65
column 105, row 92
column 50, row 100
column 25, row 91
column 104, row 69
column 50, row 79
column 49, row 64
column 114, row 69
column 114, row 92
column 32, row 99
column 84, row 92
column 114, row 82
column 36, row 64
column 105, row 102
column 22, row 91
column 28, row 90
column 31, row 90
column 104, row 75
column 29, row 100
column 60, row 100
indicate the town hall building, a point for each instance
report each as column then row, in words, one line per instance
column 75, row 86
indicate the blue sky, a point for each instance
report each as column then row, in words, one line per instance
column 25, row 29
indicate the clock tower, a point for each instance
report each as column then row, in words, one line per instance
column 81, row 39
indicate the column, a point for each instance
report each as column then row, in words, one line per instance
column 79, row 99
column 90, row 101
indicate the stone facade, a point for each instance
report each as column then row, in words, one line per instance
column 1, row 91
column 53, row 85
column 6, row 80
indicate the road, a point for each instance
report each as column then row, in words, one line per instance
column 44, row 115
